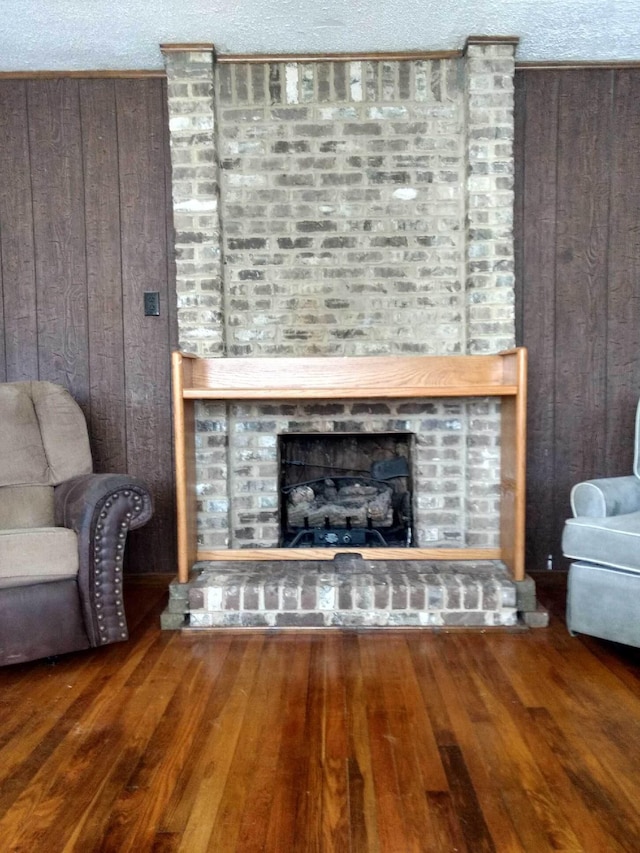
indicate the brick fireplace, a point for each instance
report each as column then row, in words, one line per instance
column 344, row 206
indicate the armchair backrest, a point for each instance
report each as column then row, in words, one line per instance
column 44, row 442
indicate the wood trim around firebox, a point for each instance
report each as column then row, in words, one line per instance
column 374, row 377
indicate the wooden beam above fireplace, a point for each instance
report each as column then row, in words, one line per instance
column 330, row 377
column 374, row 377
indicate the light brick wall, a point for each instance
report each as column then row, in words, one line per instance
column 196, row 212
column 345, row 208
column 490, row 283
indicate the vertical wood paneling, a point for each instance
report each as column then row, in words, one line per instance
column 61, row 273
column 141, row 144
column 73, row 271
column 581, row 282
column 623, row 310
column 104, row 273
column 19, row 357
column 536, row 300
column 580, row 271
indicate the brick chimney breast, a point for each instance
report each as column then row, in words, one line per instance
column 357, row 206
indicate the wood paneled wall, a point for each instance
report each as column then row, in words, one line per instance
column 578, row 283
column 84, row 232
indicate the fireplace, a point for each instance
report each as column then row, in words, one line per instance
column 270, row 587
column 344, row 264
column 351, row 490
column 354, row 208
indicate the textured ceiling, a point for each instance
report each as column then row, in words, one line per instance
column 125, row 34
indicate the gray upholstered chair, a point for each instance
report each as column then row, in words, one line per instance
column 62, row 529
column 603, row 540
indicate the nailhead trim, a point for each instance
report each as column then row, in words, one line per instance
column 107, row 571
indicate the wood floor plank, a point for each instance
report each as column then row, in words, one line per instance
column 218, row 750
column 254, row 820
column 260, row 728
column 462, row 712
column 543, row 825
column 107, row 743
column 392, row 779
column 129, row 819
column 335, row 751
column 417, row 760
column 292, row 768
column 465, row 802
column 308, row 819
column 363, row 812
column 561, row 774
column 573, row 685
column 29, row 754
column 575, row 827
column 321, row 814
column 219, row 671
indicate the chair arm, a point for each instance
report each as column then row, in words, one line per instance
column 101, row 509
column 606, row 497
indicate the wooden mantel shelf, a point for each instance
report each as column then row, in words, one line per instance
column 348, row 377
column 370, row 377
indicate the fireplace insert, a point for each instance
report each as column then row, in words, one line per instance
column 345, row 505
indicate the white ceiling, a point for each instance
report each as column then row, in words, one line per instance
column 126, row 34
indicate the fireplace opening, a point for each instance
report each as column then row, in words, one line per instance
column 346, row 490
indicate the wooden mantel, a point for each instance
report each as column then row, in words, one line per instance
column 371, row 377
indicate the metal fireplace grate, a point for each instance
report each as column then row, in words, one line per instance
column 347, row 511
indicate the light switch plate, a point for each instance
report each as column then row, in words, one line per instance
column 152, row 303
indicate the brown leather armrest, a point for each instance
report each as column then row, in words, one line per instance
column 101, row 509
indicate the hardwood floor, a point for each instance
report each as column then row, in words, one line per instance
column 390, row 741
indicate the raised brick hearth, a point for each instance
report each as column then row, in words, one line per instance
column 347, row 591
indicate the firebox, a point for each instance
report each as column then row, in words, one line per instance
column 346, row 490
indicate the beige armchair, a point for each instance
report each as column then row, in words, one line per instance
column 62, row 529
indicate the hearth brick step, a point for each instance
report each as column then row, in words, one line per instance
column 348, row 592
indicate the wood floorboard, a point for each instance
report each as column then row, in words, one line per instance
column 331, row 742
column 464, row 715
column 362, row 798
column 261, row 771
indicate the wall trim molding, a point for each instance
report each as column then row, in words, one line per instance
column 87, row 75
column 577, row 65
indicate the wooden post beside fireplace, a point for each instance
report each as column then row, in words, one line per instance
column 502, row 375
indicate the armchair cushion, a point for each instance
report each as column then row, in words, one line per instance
column 45, row 438
column 37, row 555
column 26, row 506
column 612, row 542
